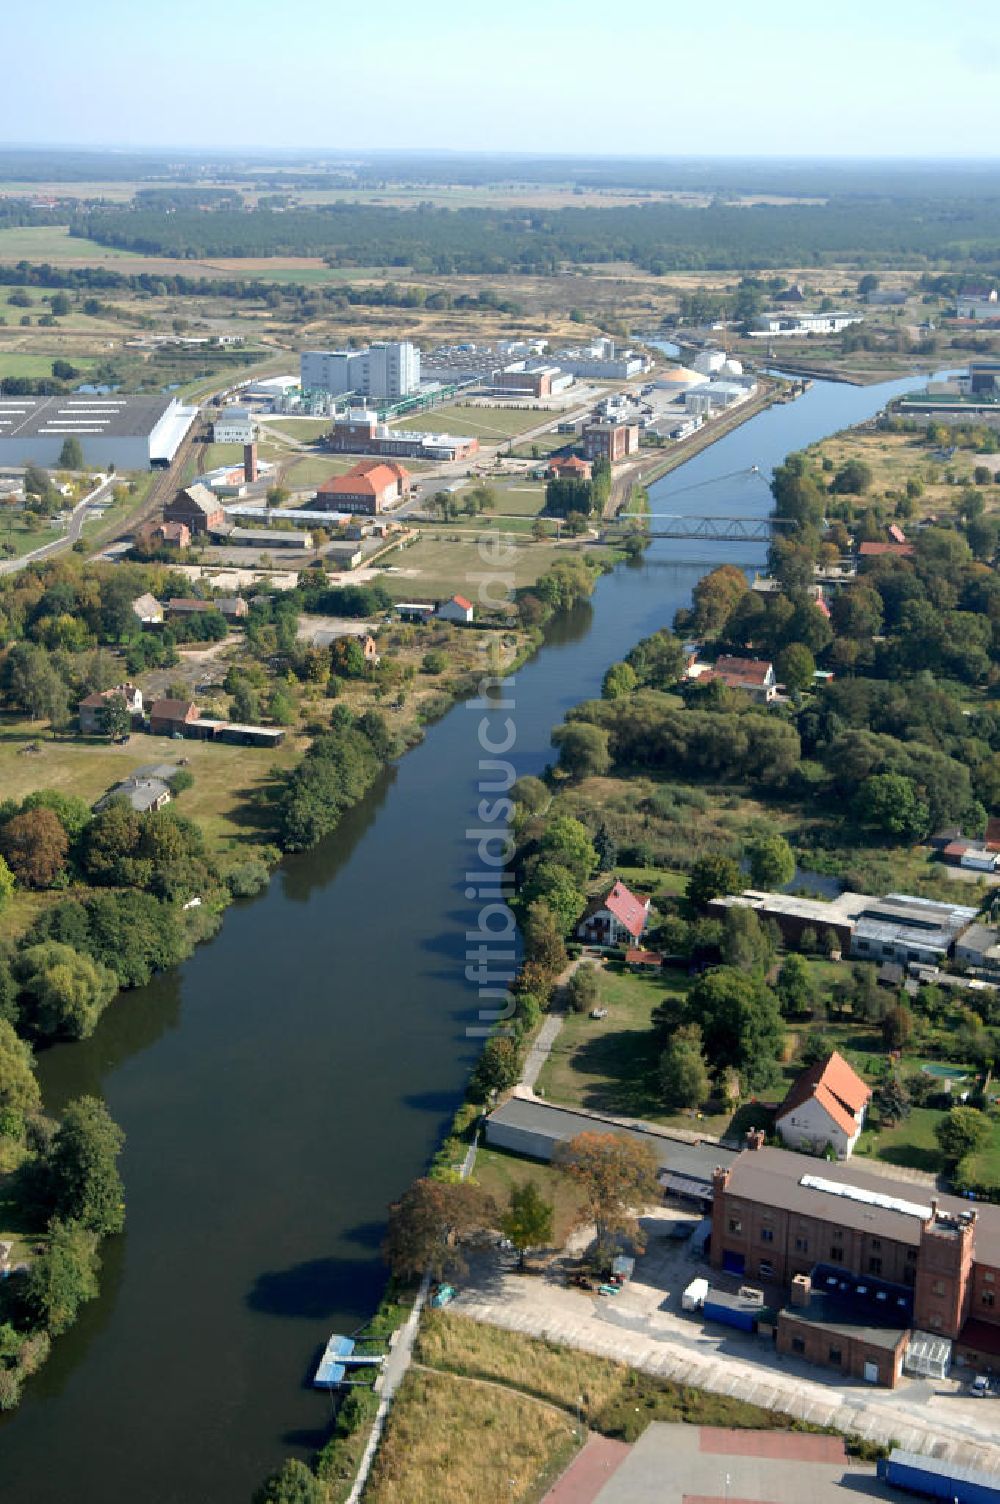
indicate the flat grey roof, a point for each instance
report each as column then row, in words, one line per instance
column 94, row 417
column 560, row 1124
column 840, row 1319
column 773, row 1177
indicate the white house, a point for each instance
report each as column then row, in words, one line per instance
column 457, row 609
column 617, row 918
column 826, row 1105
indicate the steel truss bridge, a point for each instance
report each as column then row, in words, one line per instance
column 707, row 529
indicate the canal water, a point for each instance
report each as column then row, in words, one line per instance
column 291, row 1078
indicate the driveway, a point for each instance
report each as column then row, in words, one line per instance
column 645, row 1328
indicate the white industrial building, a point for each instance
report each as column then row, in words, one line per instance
column 718, row 395
column 785, row 326
column 124, row 433
column 234, row 425
column 600, row 361
column 387, row 371
column 979, row 304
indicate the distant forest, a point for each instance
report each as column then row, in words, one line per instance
column 657, row 237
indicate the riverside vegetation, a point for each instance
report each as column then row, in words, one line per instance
column 92, row 903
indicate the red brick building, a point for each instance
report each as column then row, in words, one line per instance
column 776, row 1215
column 169, row 716
column 611, row 441
column 367, row 488
column 197, row 507
column 569, row 467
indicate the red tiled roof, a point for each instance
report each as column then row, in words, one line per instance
column 822, row 607
column 896, row 533
column 837, row 1088
column 172, row 710
column 992, row 837
column 627, row 909
column 876, row 550
column 367, row 478
column 749, row 670
column 462, row 602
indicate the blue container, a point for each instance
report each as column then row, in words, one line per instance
column 730, row 1310
column 940, row 1480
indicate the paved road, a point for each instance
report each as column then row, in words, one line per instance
column 74, row 528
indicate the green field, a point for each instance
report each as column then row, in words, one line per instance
column 489, row 423
column 53, row 243
column 437, row 566
column 306, row 430
column 19, row 363
column 610, row 1064
column 522, row 499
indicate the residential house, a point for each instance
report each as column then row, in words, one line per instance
column 456, row 609
column 616, row 918
column 148, row 609
column 188, row 605
column 90, row 708
column 167, row 535
column 880, row 550
column 169, row 717
column 197, row 507
column 826, row 1105
column 755, row 676
column 145, row 795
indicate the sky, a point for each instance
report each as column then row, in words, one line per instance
column 619, row 77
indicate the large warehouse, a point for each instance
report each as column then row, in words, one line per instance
column 131, row 433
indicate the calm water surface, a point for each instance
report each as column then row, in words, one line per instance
column 287, row 1082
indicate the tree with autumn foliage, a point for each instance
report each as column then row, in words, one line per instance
column 618, row 1177
column 429, row 1223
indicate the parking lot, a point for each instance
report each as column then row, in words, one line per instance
column 645, row 1327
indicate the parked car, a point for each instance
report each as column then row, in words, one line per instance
column 980, row 1386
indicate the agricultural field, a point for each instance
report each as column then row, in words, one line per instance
column 54, row 244
column 21, row 363
column 304, row 430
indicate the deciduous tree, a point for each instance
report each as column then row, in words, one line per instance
column 34, row 846
column 618, row 1178
column 527, row 1221
column 428, row 1224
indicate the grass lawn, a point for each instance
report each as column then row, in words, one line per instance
column 484, row 422
column 523, row 499
column 23, row 532
column 611, row 1064
column 499, row 1173
column 308, row 473
column 19, row 363
column 911, row 1143
column 223, row 775
column 306, row 430
column 437, row 566
column 616, row 1400
column 472, row 1443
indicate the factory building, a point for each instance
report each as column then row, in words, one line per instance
column 360, row 432
column 600, row 361
column 386, row 371
column 128, row 433
column 234, row 425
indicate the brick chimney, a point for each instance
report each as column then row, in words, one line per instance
column 801, row 1291
column 755, row 1138
column 250, row 462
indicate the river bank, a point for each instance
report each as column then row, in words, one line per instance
column 336, row 998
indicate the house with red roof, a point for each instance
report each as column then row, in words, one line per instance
column 569, row 467
column 755, row 676
column 825, row 1106
column 880, row 550
column 456, row 609
column 616, row 918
